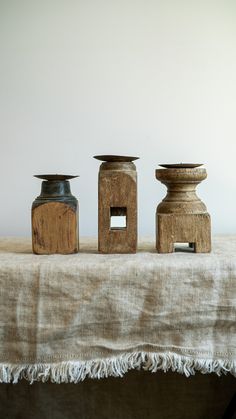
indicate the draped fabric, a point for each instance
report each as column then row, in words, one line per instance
column 67, row 317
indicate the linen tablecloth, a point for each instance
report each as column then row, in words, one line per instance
column 67, row 317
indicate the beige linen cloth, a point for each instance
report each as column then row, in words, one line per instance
column 65, row 318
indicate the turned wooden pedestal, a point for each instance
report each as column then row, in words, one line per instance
column 117, row 198
column 55, row 218
column 182, row 217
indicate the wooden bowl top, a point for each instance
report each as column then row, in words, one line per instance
column 181, row 165
column 114, row 158
column 55, row 177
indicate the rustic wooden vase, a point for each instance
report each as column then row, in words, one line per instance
column 182, row 217
column 117, row 197
column 55, row 217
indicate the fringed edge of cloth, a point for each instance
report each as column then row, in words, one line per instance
column 117, row 366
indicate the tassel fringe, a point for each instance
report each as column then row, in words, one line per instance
column 76, row 371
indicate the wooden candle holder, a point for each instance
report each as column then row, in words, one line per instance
column 117, row 198
column 55, row 217
column 182, row 217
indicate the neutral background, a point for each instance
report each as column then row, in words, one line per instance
column 151, row 78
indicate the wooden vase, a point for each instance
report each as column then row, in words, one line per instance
column 182, row 217
column 55, row 217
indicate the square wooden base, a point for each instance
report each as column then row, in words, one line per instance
column 194, row 229
column 54, row 229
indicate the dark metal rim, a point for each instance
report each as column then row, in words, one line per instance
column 55, row 177
column 181, row 165
column 115, row 158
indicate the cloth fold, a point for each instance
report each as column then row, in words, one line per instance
column 65, row 318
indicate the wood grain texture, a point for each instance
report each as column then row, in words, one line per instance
column 117, row 188
column 182, row 217
column 188, row 228
column 54, row 229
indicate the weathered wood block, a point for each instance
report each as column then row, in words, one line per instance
column 55, row 219
column 117, row 199
column 194, row 229
column 182, row 217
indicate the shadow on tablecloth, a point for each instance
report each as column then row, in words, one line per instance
column 138, row 395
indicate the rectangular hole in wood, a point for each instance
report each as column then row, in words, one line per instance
column 118, row 218
column 184, row 247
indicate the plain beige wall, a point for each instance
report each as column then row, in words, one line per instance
column 151, row 78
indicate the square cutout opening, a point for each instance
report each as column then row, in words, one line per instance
column 118, row 218
column 184, row 247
